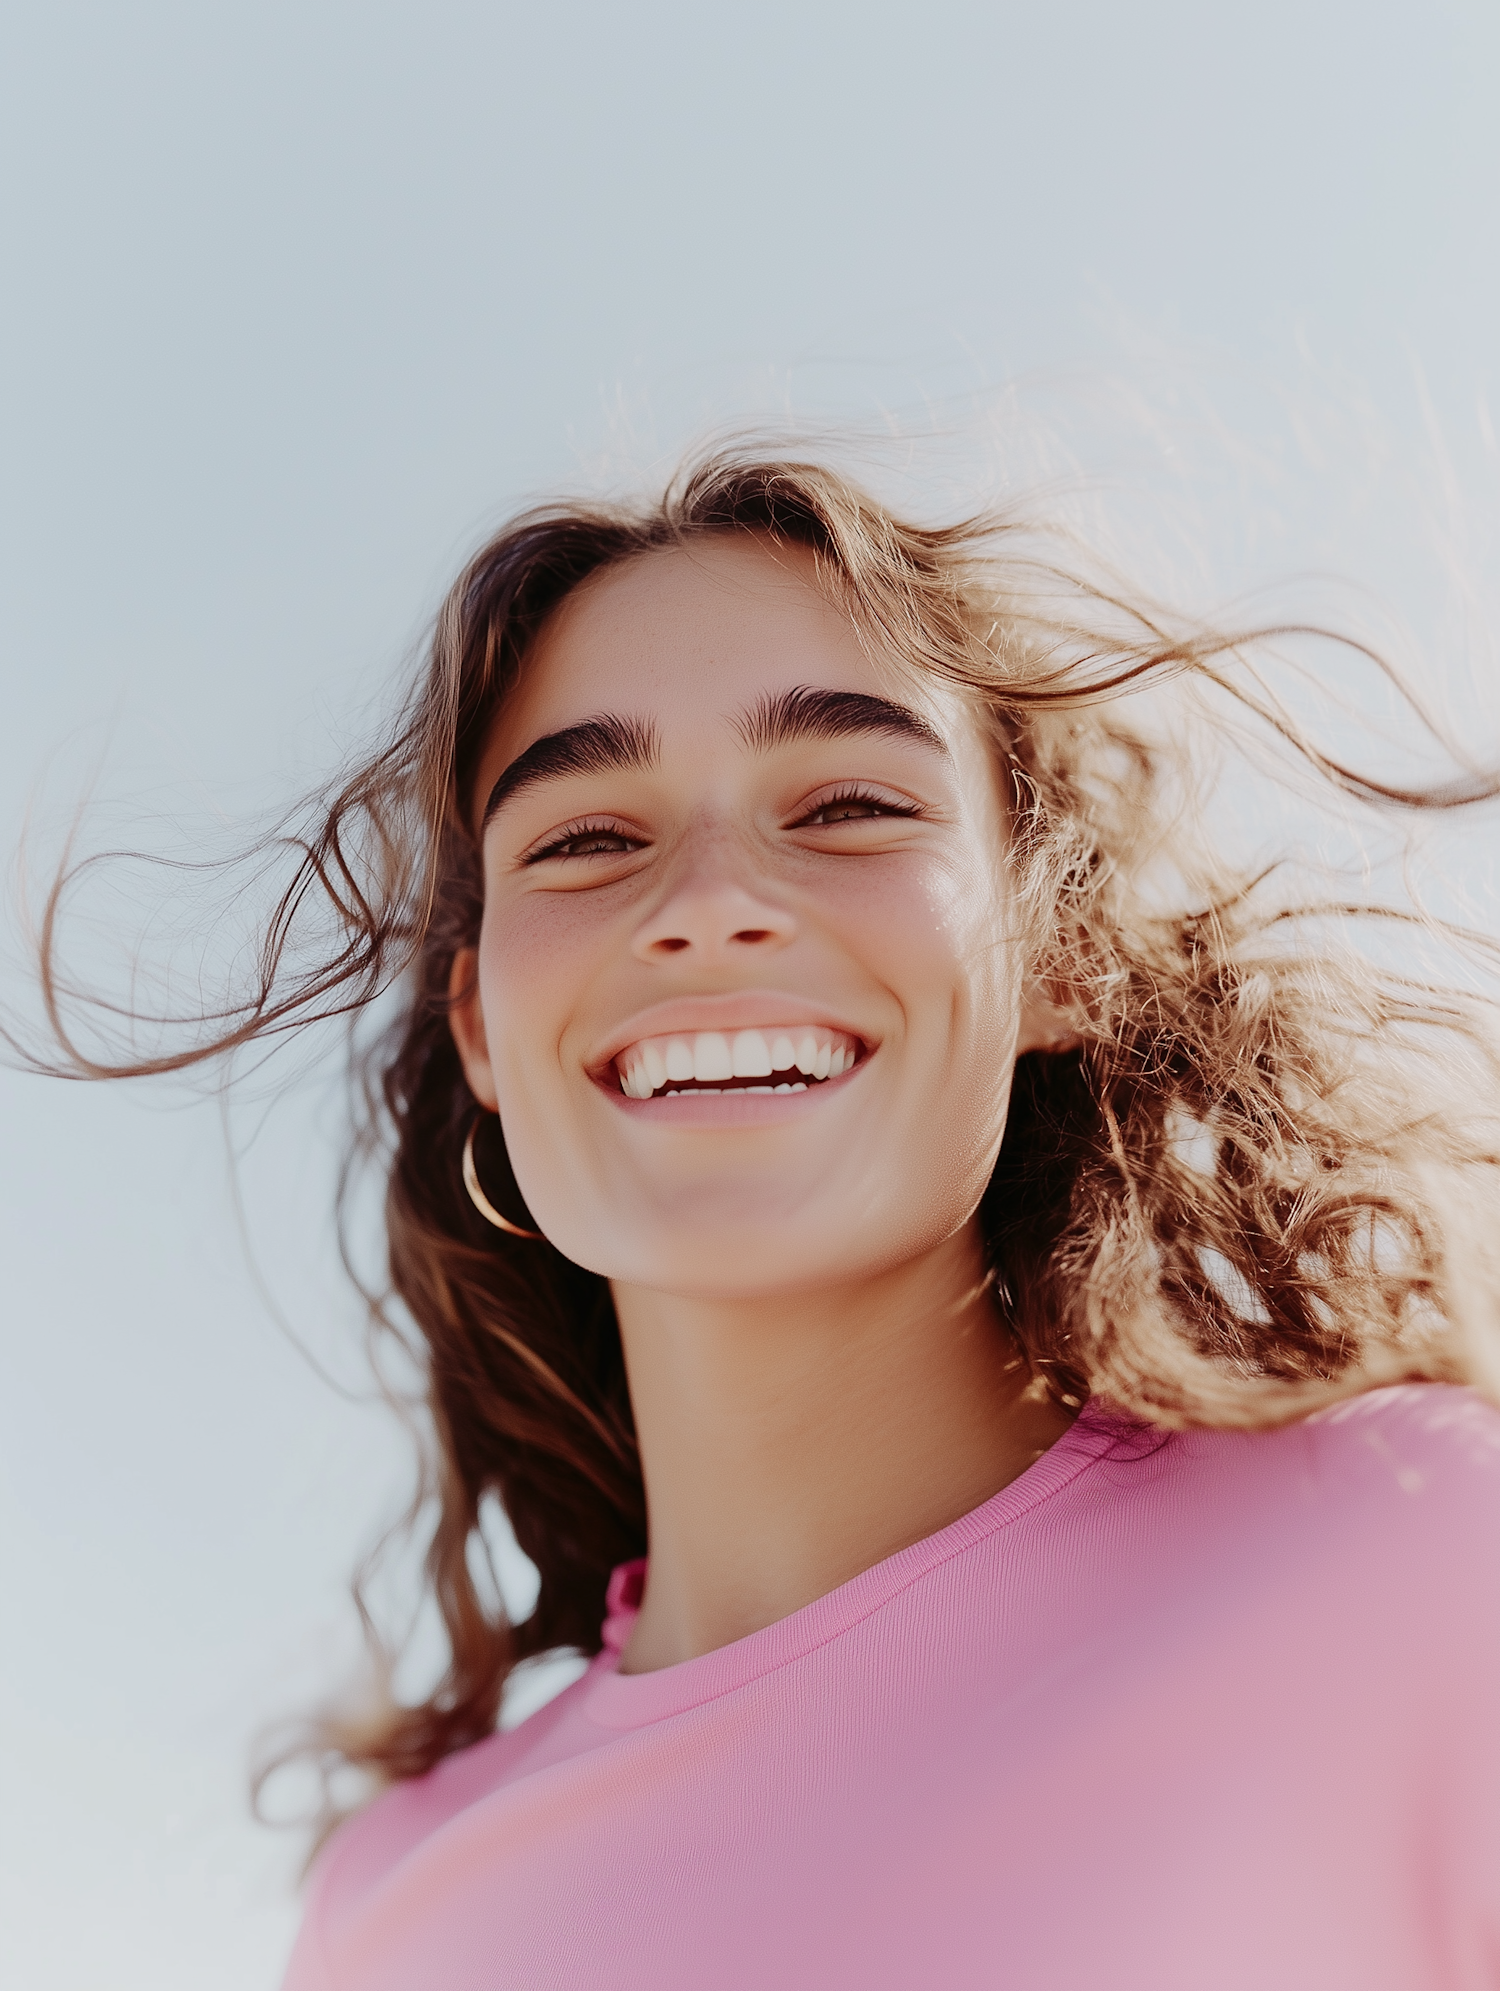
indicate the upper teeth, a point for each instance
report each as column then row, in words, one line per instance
column 711, row 1055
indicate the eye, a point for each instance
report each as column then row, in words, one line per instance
column 853, row 804
column 601, row 839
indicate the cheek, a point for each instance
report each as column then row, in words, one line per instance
column 535, row 955
column 537, row 959
column 935, row 931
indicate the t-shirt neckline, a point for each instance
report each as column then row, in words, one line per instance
column 621, row 1700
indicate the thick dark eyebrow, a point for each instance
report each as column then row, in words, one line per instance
column 591, row 747
column 806, row 713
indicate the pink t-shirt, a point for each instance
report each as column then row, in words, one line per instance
column 1207, row 1711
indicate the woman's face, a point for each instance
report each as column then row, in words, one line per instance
column 748, row 998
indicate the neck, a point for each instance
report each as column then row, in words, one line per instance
column 789, row 1443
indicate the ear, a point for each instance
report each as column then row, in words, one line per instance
column 466, row 1021
column 1045, row 1025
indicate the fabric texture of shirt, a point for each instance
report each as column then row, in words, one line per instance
column 1187, row 1710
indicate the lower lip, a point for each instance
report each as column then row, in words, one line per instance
column 732, row 1109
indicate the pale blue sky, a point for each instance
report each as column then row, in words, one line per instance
column 299, row 301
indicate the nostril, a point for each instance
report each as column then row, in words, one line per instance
column 752, row 934
column 674, row 945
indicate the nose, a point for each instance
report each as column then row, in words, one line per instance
column 713, row 917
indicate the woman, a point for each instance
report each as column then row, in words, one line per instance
column 959, row 1300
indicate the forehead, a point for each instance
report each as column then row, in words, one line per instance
column 690, row 634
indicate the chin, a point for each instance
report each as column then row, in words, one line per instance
column 745, row 1255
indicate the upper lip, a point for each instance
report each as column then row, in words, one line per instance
column 746, row 1009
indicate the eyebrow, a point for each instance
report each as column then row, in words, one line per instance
column 807, row 713
column 593, row 746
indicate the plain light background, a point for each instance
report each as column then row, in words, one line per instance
column 299, row 301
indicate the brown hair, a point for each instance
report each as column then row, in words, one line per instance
column 1231, row 1203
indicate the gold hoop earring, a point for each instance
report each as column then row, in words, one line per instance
column 477, row 1196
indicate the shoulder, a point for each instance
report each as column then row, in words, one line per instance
column 1388, row 1502
column 374, row 1841
column 1391, row 1497
column 1420, row 1449
column 1422, row 1465
column 1427, row 1428
column 1411, row 1446
column 1416, row 1445
column 1342, row 1568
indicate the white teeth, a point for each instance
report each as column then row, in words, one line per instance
column 716, row 1091
column 712, row 1056
column 750, row 1056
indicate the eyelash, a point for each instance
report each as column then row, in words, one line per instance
column 854, row 792
column 557, row 846
column 851, row 792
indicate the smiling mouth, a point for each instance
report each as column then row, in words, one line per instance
column 776, row 1060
